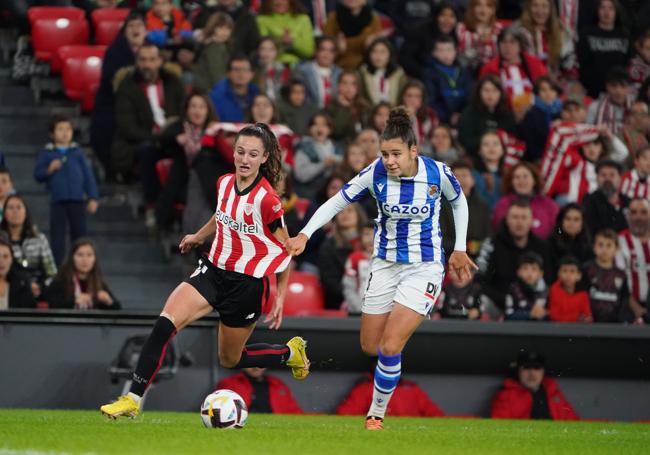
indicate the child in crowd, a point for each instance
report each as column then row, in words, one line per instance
column 294, row 107
column 488, row 168
column 443, row 145
column 605, row 283
column 214, row 53
column 448, row 83
column 316, row 156
column 348, row 110
column 164, row 16
column 639, row 66
column 423, row 118
column 80, row 283
column 6, row 186
column 460, row 299
column 537, row 121
column 271, row 74
column 383, row 79
column 357, row 270
column 636, row 182
column 636, row 126
column 609, row 110
column 70, row 182
column 477, row 34
column 379, row 116
column 526, row 297
column 566, row 303
column 354, row 160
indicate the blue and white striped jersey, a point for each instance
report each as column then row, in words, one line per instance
column 407, row 228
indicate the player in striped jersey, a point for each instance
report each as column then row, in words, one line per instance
column 408, row 261
column 249, row 233
column 633, row 256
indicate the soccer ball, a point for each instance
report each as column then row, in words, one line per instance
column 224, row 409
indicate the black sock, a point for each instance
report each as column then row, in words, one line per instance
column 152, row 355
column 263, row 355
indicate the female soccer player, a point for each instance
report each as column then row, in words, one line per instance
column 249, row 233
column 408, row 262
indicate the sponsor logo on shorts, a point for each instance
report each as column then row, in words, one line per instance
column 431, row 291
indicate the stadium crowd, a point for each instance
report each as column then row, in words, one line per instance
column 540, row 107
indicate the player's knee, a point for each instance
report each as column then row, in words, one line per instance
column 369, row 348
column 390, row 348
column 228, row 360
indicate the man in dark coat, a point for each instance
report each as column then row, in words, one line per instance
column 147, row 99
column 604, row 207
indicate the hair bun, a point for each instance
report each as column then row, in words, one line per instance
column 399, row 118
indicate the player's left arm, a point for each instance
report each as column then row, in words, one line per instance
column 459, row 262
column 273, row 217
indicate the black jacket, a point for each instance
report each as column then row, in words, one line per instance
column 600, row 214
column 134, row 117
column 20, row 289
column 498, row 262
column 331, row 264
column 102, row 128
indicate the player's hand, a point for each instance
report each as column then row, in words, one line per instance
column 275, row 316
column 54, row 166
column 189, row 241
column 461, row 266
column 296, row 245
column 91, row 207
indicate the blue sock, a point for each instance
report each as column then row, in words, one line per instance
column 387, row 374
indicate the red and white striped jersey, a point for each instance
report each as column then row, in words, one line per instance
column 634, row 258
column 476, row 49
column 243, row 241
column 633, row 186
column 562, row 155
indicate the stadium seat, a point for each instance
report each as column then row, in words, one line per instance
column 55, row 12
column 49, row 34
column 304, row 295
column 107, row 23
column 82, row 66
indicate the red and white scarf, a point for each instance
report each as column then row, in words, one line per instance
column 611, row 115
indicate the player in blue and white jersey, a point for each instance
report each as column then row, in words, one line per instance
column 408, row 262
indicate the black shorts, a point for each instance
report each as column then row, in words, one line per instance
column 237, row 297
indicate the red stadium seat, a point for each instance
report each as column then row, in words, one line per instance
column 304, row 295
column 55, row 12
column 88, row 101
column 82, row 67
column 48, row 35
column 107, row 23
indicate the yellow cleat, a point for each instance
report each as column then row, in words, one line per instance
column 298, row 362
column 124, row 406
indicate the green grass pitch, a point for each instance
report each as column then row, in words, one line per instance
column 38, row 432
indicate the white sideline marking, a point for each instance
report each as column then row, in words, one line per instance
column 4, row 451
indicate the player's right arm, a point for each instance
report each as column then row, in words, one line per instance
column 351, row 192
column 193, row 240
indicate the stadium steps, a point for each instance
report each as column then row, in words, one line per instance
column 134, row 265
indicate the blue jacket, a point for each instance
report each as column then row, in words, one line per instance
column 448, row 87
column 72, row 181
column 225, row 101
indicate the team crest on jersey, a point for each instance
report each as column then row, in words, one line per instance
column 248, row 209
column 277, row 207
column 433, row 190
